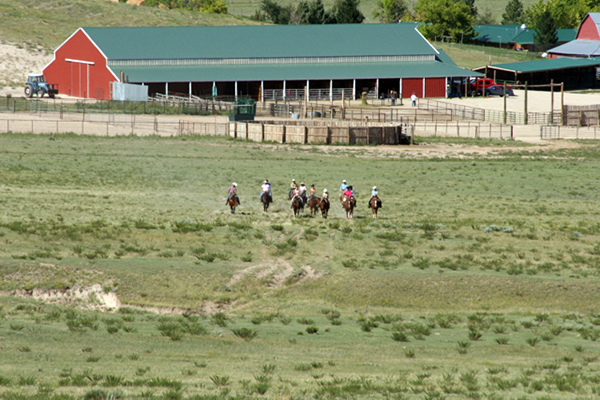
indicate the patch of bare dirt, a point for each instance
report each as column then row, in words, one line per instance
column 278, row 272
column 90, row 297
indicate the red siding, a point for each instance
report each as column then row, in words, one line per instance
column 72, row 77
column 412, row 85
column 435, row 87
column 588, row 30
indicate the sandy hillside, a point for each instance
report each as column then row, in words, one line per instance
column 15, row 64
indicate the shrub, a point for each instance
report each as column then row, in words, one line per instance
column 312, row 329
column 400, row 336
column 220, row 381
column 244, row 333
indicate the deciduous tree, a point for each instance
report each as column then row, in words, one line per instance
column 445, row 18
column 388, row 11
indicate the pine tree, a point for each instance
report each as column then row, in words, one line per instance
column 513, row 13
column 545, row 31
column 347, row 12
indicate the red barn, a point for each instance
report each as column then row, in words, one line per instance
column 587, row 42
column 80, row 68
column 263, row 62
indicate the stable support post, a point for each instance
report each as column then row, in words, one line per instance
column 284, row 90
column 190, row 91
column 331, row 91
column 353, row 89
column 236, row 90
column 562, row 103
column 167, row 89
column 504, row 96
column 526, row 116
column 262, row 91
column 551, row 101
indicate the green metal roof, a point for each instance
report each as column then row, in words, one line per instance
column 513, row 33
column 445, row 58
column 546, row 65
column 259, row 41
column 279, row 72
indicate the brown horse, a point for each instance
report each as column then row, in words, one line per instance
column 324, row 206
column 375, row 205
column 349, row 204
column 233, row 202
column 266, row 199
column 313, row 205
column 297, row 206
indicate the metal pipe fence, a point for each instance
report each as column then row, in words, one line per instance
column 464, row 129
column 569, row 132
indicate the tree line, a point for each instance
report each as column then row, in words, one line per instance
column 439, row 18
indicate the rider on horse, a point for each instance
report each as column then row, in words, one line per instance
column 266, row 188
column 232, row 192
column 312, row 192
column 295, row 193
column 374, row 194
column 325, row 195
column 349, row 193
column 302, row 189
column 293, row 186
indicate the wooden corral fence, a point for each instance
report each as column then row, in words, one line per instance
column 588, row 115
column 312, row 132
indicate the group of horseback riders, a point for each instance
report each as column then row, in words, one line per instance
column 298, row 195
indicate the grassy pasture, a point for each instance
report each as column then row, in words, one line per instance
column 479, row 280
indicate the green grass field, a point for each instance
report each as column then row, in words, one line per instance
column 479, row 280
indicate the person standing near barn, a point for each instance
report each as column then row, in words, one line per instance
column 413, row 99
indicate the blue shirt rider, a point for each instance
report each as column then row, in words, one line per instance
column 374, row 193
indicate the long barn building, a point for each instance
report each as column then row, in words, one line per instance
column 263, row 62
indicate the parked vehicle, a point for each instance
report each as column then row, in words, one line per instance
column 36, row 84
column 498, row 90
column 478, row 85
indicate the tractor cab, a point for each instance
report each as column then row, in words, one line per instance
column 37, row 84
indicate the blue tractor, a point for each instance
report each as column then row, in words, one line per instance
column 37, row 85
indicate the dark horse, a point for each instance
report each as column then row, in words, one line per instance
column 233, row 202
column 375, row 204
column 266, row 199
column 349, row 203
column 297, row 206
column 313, row 204
column 324, row 206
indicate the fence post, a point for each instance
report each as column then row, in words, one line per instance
column 512, row 133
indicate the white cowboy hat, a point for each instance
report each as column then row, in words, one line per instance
column 302, row 184
column 234, row 184
column 374, row 187
column 293, row 180
column 265, row 182
column 324, row 190
column 344, row 181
